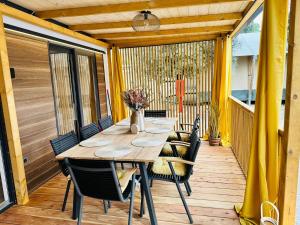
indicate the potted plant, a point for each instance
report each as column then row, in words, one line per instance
column 137, row 100
column 214, row 133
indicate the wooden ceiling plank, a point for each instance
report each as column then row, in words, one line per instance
column 125, row 7
column 163, row 21
column 161, row 40
column 198, row 30
column 17, row 14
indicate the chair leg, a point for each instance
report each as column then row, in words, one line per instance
column 187, row 188
column 142, row 207
column 80, row 210
column 131, row 200
column 180, row 193
column 188, row 184
column 105, row 206
column 66, row 196
column 151, row 183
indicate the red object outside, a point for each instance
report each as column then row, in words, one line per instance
column 180, row 93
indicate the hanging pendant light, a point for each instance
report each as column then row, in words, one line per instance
column 145, row 21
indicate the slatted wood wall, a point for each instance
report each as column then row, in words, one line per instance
column 101, row 84
column 34, row 104
column 156, row 69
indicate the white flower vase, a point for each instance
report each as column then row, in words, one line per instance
column 141, row 122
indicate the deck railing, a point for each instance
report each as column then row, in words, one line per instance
column 242, row 118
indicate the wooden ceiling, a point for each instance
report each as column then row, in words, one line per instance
column 110, row 20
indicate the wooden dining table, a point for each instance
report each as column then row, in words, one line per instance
column 119, row 136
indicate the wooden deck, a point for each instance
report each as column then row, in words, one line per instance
column 218, row 183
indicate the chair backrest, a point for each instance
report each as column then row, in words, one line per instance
column 155, row 113
column 95, row 178
column 62, row 144
column 193, row 150
column 88, row 131
column 196, row 122
column 106, row 123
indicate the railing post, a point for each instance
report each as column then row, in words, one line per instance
column 291, row 141
column 10, row 119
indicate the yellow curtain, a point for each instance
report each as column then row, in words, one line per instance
column 263, row 173
column 117, row 86
column 224, row 93
column 217, row 71
column 221, row 87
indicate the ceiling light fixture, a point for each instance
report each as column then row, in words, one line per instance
column 145, row 21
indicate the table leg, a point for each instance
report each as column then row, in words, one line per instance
column 148, row 195
column 76, row 205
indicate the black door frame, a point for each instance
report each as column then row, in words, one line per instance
column 6, row 162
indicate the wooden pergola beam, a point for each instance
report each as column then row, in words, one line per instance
column 194, row 30
column 163, row 21
column 161, row 40
column 11, row 122
column 251, row 9
column 291, row 144
column 125, row 7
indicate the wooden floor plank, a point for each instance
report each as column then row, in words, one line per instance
column 217, row 183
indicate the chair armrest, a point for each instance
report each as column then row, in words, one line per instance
column 183, row 132
column 187, row 124
column 176, row 159
column 182, row 125
column 179, row 143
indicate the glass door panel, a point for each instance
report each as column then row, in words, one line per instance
column 63, row 94
column 88, row 96
column 4, row 196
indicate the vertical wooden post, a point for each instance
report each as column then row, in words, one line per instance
column 10, row 118
column 291, row 144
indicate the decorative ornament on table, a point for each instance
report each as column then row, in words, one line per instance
column 137, row 100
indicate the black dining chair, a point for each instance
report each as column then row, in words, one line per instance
column 155, row 113
column 100, row 180
column 182, row 145
column 184, row 133
column 89, row 131
column 85, row 133
column 60, row 145
column 176, row 169
column 106, row 122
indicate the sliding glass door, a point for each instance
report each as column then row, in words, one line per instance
column 7, row 195
column 88, row 88
column 75, row 88
column 62, row 80
column 4, row 196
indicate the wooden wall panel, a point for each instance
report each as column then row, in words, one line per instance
column 35, row 106
column 101, row 84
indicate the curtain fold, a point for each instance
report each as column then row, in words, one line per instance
column 263, row 173
column 117, row 86
column 224, row 92
column 217, row 71
column 221, row 86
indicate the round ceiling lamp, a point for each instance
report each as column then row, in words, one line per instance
column 145, row 21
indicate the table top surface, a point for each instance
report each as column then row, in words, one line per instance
column 124, row 140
